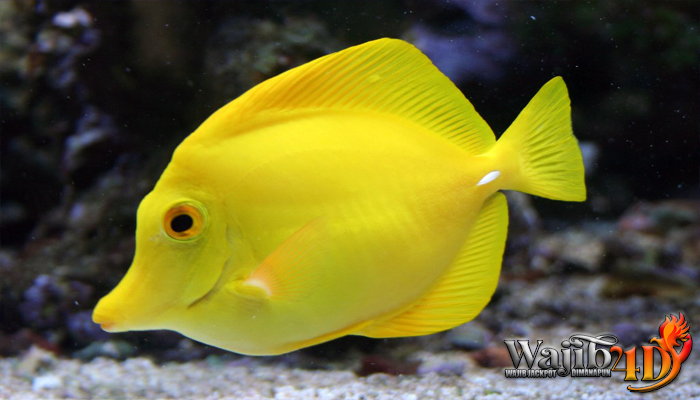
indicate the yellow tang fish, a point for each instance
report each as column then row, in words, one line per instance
column 357, row 194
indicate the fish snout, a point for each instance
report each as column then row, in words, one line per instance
column 109, row 319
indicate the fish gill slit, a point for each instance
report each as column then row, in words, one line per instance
column 217, row 286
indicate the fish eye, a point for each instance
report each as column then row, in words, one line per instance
column 183, row 221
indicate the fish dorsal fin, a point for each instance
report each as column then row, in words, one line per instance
column 292, row 271
column 467, row 286
column 385, row 76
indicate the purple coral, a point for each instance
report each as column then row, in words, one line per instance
column 83, row 330
column 464, row 58
column 474, row 47
column 40, row 306
column 49, row 302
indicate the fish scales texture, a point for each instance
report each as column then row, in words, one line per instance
column 356, row 194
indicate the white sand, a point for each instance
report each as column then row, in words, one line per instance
column 141, row 378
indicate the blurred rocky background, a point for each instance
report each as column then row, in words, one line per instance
column 95, row 96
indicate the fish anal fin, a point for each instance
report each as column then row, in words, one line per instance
column 286, row 348
column 386, row 77
column 466, row 287
column 291, row 272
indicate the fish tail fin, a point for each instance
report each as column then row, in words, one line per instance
column 539, row 152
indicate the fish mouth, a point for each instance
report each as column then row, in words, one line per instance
column 220, row 282
column 109, row 320
column 108, row 327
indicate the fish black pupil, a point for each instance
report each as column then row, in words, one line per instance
column 181, row 223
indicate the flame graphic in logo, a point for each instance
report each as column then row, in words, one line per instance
column 671, row 331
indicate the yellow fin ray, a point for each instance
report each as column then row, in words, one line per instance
column 549, row 158
column 292, row 271
column 386, row 76
column 467, row 286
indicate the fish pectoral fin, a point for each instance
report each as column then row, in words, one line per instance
column 293, row 270
column 466, row 287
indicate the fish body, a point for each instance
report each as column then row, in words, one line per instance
column 357, row 194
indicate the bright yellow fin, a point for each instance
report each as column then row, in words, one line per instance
column 546, row 156
column 286, row 348
column 386, row 76
column 467, row 286
column 290, row 272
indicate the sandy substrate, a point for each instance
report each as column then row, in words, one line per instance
column 141, row 378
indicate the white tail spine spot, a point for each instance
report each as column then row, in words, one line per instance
column 490, row 177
